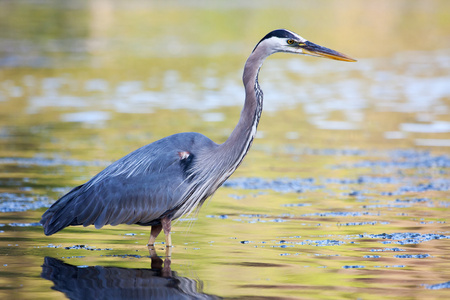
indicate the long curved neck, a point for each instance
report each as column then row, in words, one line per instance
column 240, row 140
column 214, row 167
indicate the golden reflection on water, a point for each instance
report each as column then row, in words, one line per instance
column 84, row 83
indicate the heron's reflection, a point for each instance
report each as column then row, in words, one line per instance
column 98, row 282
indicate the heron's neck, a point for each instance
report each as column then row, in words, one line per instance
column 240, row 140
column 214, row 167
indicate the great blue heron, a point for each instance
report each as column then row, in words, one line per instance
column 167, row 179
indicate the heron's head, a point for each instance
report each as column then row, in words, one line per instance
column 282, row 40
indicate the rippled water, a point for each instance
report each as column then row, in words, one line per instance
column 345, row 193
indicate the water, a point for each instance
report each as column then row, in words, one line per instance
column 345, row 193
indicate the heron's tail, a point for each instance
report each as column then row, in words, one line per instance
column 60, row 214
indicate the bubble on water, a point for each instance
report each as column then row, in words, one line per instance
column 296, row 204
column 341, row 214
column 237, row 197
column 321, row 243
column 412, row 256
column 439, row 286
column 358, row 223
column 406, row 238
column 53, row 246
column 126, row 255
column 284, row 185
column 25, row 224
column 217, row 216
column 387, row 250
column 353, row 267
column 85, row 247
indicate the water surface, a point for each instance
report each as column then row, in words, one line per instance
column 345, row 193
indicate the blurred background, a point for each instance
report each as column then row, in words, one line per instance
column 82, row 83
column 84, row 75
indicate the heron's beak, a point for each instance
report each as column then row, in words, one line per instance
column 316, row 50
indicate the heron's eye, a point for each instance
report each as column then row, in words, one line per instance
column 290, row 42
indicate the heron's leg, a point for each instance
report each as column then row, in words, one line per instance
column 156, row 229
column 167, row 226
column 168, row 253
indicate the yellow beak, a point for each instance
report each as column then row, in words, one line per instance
column 316, row 50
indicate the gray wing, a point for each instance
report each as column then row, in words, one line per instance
column 139, row 188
